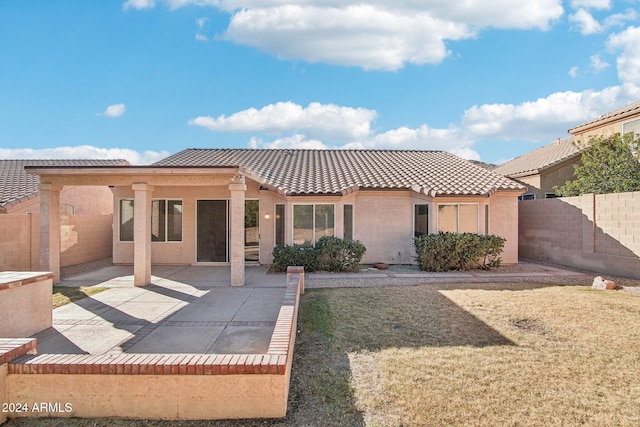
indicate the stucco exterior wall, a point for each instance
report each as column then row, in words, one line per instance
column 383, row 221
column 605, row 130
column 556, row 176
column 503, row 222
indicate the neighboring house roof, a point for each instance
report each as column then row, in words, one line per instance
column 538, row 160
column 615, row 115
column 342, row 171
column 16, row 186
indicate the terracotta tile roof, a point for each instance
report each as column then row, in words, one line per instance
column 341, row 171
column 540, row 159
column 16, row 186
column 627, row 110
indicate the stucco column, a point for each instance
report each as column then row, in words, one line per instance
column 50, row 229
column 142, row 234
column 237, row 187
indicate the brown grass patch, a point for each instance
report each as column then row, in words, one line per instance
column 566, row 356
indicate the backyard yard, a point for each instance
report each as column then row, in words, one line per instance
column 458, row 354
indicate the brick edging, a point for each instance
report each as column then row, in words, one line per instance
column 15, row 279
column 14, row 348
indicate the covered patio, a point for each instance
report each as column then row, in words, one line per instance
column 140, row 185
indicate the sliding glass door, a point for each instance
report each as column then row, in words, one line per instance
column 213, row 231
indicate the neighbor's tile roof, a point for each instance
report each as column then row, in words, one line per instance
column 17, row 186
column 340, row 171
column 540, row 159
column 627, row 110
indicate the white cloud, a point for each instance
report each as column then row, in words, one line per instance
column 597, row 64
column 359, row 35
column 546, row 118
column 591, row 4
column 316, row 120
column 115, row 110
column 573, row 72
column 376, row 34
column 586, row 23
column 138, row 4
column 201, row 23
column 628, row 62
column 84, row 152
column 294, row 141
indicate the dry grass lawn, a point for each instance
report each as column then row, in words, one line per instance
column 538, row 356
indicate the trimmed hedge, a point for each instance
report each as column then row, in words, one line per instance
column 330, row 254
column 454, row 251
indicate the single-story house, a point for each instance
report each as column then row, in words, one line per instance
column 232, row 206
column 544, row 168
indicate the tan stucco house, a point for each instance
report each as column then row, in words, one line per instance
column 232, row 206
column 552, row 165
column 544, row 168
column 623, row 120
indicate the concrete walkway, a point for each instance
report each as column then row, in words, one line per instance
column 185, row 310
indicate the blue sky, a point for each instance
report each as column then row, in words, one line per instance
column 142, row 79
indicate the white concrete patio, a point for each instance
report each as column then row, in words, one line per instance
column 185, row 309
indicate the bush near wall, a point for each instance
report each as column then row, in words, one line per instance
column 329, row 254
column 454, row 251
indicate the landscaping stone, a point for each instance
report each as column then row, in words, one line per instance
column 600, row 283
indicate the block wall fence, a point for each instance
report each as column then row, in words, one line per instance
column 83, row 238
column 600, row 233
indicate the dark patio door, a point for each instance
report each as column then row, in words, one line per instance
column 213, row 231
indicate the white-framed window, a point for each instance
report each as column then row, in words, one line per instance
column 631, row 126
column 166, row 220
column 311, row 222
column 458, row 217
column 420, row 219
column 527, row 196
column 125, row 220
column 551, row 195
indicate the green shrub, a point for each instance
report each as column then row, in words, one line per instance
column 330, row 254
column 335, row 254
column 453, row 251
column 285, row 256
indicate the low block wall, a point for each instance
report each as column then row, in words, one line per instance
column 25, row 303
column 11, row 349
column 162, row 386
column 600, row 233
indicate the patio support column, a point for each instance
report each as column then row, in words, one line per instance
column 237, row 187
column 50, row 229
column 142, row 234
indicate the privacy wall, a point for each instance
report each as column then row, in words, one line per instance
column 600, row 233
column 83, row 238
